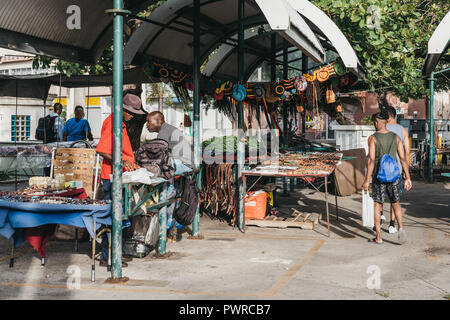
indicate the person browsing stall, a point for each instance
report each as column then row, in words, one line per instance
column 131, row 107
column 77, row 128
column 181, row 149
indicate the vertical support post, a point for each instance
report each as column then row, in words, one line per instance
column 326, row 204
column 304, row 68
column 431, row 126
column 273, row 66
column 117, row 143
column 162, row 238
column 93, row 252
column 11, row 257
column 273, row 76
column 240, row 118
column 285, row 117
column 196, row 76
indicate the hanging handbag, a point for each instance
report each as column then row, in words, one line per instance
column 331, row 97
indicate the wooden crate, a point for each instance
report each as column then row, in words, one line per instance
column 76, row 164
column 306, row 221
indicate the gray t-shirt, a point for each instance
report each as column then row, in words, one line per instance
column 181, row 149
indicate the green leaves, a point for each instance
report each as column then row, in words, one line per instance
column 393, row 49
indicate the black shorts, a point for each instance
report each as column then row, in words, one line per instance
column 393, row 190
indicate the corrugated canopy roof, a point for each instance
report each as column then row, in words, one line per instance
column 40, row 27
column 168, row 36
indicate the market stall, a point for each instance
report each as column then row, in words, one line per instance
column 306, row 166
column 183, row 35
column 31, row 215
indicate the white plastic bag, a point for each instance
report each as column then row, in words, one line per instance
column 367, row 210
column 137, row 177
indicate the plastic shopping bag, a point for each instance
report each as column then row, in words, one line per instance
column 367, row 210
column 140, row 176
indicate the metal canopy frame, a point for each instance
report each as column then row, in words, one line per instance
column 176, row 16
column 40, row 39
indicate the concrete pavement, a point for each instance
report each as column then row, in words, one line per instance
column 265, row 263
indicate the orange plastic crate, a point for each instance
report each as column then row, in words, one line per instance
column 255, row 205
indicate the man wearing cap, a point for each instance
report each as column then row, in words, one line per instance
column 131, row 107
column 77, row 128
column 380, row 143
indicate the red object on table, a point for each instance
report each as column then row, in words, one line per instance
column 39, row 236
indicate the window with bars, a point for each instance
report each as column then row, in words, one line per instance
column 20, row 127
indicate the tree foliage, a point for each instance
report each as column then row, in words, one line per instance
column 390, row 37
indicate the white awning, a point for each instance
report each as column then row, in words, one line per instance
column 437, row 45
column 168, row 38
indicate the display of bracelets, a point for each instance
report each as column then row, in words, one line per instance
column 21, row 197
column 37, row 191
column 301, row 163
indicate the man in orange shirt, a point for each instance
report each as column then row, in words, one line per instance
column 131, row 107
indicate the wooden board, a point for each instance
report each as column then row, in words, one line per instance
column 350, row 174
column 304, row 221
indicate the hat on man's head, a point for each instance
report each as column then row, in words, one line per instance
column 132, row 103
column 78, row 108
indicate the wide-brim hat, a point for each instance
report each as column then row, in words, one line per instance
column 132, row 103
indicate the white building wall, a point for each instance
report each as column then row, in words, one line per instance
column 25, row 106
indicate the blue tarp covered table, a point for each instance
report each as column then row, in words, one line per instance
column 15, row 216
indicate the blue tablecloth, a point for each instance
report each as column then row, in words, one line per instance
column 14, row 216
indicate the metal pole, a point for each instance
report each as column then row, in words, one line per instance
column 117, row 143
column 196, row 76
column 240, row 111
column 285, row 118
column 431, row 126
column 304, row 68
column 162, row 238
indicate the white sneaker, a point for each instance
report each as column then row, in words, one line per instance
column 392, row 229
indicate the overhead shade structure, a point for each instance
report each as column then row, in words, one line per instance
column 41, row 27
column 24, row 86
column 37, row 86
column 167, row 35
column 437, row 45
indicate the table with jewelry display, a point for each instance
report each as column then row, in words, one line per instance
column 307, row 166
column 31, row 215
